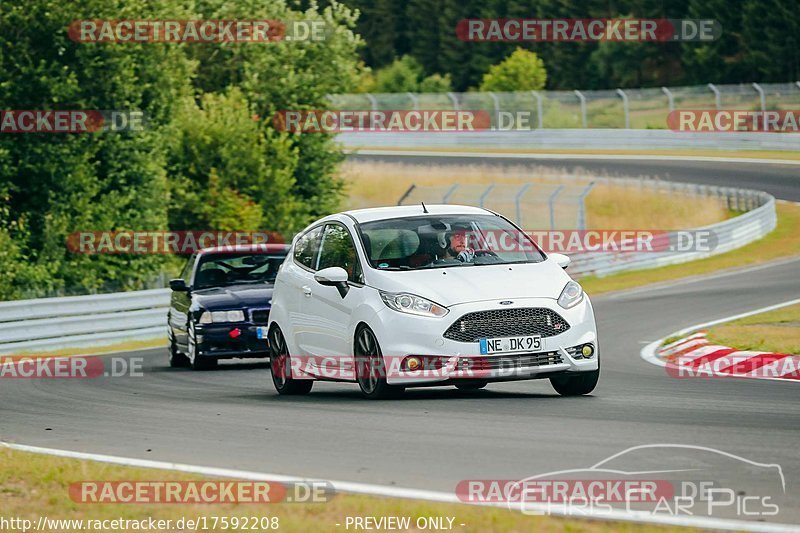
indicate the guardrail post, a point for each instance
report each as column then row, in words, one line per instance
column 552, row 203
column 626, row 108
column 407, row 193
column 539, row 113
column 485, row 194
column 449, row 192
column 582, row 100
column 496, row 102
column 714, row 89
column 414, row 100
column 454, row 100
column 582, row 206
column 372, row 101
column 670, row 99
column 517, row 199
column 761, row 96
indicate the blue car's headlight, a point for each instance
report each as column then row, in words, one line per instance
column 209, row 317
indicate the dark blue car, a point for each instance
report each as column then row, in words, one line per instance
column 220, row 305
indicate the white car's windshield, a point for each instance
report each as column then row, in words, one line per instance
column 438, row 241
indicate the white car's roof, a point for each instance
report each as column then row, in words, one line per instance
column 400, row 211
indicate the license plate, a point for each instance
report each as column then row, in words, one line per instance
column 531, row 343
column 261, row 332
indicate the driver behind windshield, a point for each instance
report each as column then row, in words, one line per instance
column 455, row 246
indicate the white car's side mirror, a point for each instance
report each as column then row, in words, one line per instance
column 333, row 277
column 561, row 260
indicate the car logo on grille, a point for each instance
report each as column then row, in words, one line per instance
column 506, row 302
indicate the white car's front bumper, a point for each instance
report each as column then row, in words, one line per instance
column 401, row 335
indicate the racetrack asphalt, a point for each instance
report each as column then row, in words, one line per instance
column 780, row 180
column 433, row 438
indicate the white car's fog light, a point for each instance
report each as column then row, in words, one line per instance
column 412, row 363
column 587, row 351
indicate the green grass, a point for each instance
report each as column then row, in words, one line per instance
column 774, row 331
column 32, row 485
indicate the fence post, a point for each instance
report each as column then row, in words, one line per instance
column 626, row 108
column 552, row 202
column 761, row 96
column 372, row 101
column 517, row 199
column 454, row 100
column 485, row 194
column 414, row 101
column 449, row 193
column 539, row 108
column 496, row 102
column 408, row 192
column 582, row 206
column 670, row 99
column 716, row 95
column 582, row 100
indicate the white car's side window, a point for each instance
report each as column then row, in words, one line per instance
column 339, row 250
column 307, row 247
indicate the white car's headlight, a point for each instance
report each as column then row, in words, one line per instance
column 221, row 316
column 571, row 296
column 412, row 304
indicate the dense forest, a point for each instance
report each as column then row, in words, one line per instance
column 760, row 41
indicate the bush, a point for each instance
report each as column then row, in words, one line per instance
column 521, row 71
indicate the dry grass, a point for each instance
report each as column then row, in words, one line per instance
column 91, row 350
column 33, row 485
column 371, row 184
column 783, row 242
column 610, row 207
column 776, row 331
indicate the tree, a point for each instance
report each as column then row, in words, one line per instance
column 57, row 184
column 521, row 71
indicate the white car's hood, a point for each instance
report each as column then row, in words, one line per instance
column 457, row 285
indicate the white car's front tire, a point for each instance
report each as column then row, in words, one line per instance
column 370, row 366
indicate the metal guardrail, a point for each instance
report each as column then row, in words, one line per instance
column 498, row 142
column 759, row 219
column 730, row 234
column 83, row 321
column 620, row 108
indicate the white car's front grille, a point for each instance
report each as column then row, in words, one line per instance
column 506, row 323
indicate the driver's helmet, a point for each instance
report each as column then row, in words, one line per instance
column 457, row 238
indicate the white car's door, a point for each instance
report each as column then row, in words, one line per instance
column 298, row 273
column 329, row 312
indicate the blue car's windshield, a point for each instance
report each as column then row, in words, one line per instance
column 216, row 270
column 439, row 241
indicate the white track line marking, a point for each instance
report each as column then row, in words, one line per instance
column 414, row 494
column 599, row 157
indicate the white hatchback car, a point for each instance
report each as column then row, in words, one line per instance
column 411, row 296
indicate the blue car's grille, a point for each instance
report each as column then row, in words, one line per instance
column 260, row 316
